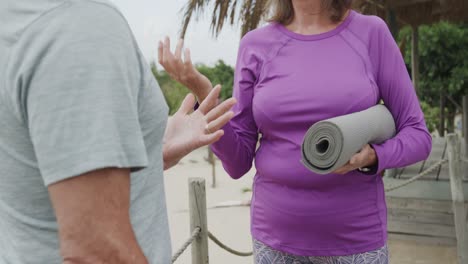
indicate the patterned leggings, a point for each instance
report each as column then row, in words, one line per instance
column 263, row 254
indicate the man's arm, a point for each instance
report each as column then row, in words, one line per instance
column 93, row 216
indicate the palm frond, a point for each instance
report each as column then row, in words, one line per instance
column 192, row 7
column 250, row 14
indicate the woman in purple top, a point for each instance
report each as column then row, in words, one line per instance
column 316, row 60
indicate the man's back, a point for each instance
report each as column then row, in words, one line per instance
column 75, row 96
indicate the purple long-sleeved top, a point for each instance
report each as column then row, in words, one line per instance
column 284, row 83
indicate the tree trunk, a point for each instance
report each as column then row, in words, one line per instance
column 442, row 113
column 415, row 57
column 450, row 121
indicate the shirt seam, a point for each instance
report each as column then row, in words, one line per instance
column 368, row 50
column 274, row 55
column 377, row 201
column 363, row 61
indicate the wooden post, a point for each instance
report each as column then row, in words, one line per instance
column 415, row 56
column 212, row 159
column 465, row 132
column 390, row 173
column 458, row 199
column 465, row 121
column 198, row 218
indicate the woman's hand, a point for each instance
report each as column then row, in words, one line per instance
column 183, row 71
column 187, row 130
column 364, row 158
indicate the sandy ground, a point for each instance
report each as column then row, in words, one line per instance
column 231, row 225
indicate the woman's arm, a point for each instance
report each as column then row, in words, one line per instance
column 237, row 148
column 413, row 141
column 183, row 71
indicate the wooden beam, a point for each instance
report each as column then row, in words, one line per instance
column 415, row 56
column 423, row 189
column 428, row 240
column 405, row 3
column 458, row 198
column 421, row 229
column 419, row 216
column 419, row 205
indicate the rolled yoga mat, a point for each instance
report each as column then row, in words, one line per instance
column 330, row 144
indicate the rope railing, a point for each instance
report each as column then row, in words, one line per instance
column 416, row 177
column 197, row 231
column 187, row 243
column 197, row 200
column 194, row 236
column 228, row 249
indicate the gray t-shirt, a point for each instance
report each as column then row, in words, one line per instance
column 75, row 95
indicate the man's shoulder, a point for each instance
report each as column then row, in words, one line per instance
column 19, row 16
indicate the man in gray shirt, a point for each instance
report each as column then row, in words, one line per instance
column 83, row 138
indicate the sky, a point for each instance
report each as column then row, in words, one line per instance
column 152, row 20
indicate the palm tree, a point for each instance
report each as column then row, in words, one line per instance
column 396, row 12
column 249, row 12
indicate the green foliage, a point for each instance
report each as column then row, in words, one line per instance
column 443, row 60
column 431, row 115
column 222, row 74
column 443, row 66
column 174, row 92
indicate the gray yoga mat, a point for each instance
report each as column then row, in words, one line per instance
column 330, row 144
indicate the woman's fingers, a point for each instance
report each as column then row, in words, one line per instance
column 345, row 169
column 178, row 51
column 188, row 65
column 177, row 60
column 172, row 62
column 167, row 50
column 356, row 161
column 219, row 122
column 220, row 109
column 210, row 101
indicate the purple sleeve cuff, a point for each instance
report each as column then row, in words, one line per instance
column 380, row 165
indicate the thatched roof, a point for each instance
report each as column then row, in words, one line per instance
column 417, row 12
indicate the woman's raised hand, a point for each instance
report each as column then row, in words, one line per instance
column 182, row 70
column 187, row 130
